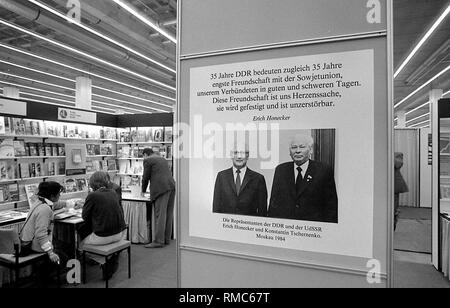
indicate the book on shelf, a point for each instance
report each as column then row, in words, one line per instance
column 2, row 126
column 48, row 150
column 61, row 149
column 90, row 167
column 20, row 148
column 125, row 136
column 106, row 149
column 82, row 185
column 70, row 185
column 7, row 148
column 112, row 165
column 19, row 126
column 35, row 128
column 169, row 152
column 31, row 191
column 137, row 167
column 33, row 149
column 90, row 149
column 51, row 166
column 124, row 166
column 9, row 193
column 40, row 149
column 103, row 165
column 158, row 135
column 8, row 170
column 24, row 170
column 54, row 150
column 124, row 152
column 168, row 137
column 61, row 168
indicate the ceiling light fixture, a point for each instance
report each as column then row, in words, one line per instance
column 72, row 97
column 125, row 102
column 416, row 118
column 418, row 124
column 422, row 86
column 95, row 32
column 85, row 72
column 417, row 108
column 144, row 19
column 67, row 47
column 423, row 40
column 71, row 80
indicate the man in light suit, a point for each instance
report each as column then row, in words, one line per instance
column 304, row 189
column 239, row 190
column 162, row 193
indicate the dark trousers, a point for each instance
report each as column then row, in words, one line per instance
column 164, row 207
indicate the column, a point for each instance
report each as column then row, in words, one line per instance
column 435, row 95
column 401, row 119
column 83, row 94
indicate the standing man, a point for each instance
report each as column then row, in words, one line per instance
column 304, row 189
column 162, row 193
column 239, row 190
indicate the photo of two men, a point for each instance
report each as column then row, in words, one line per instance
column 302, row 188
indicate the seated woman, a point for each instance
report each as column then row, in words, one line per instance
column 103, row 216
column 36, row 233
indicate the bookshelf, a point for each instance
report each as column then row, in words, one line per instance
column 32, row 151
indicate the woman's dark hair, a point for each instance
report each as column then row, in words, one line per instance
column 148, row 151
column 98, row 180
column 50, row 189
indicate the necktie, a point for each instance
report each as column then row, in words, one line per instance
column 298, row 181
column 238, row 181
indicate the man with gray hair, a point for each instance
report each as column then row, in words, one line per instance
column 304, row 189
column 239, row 190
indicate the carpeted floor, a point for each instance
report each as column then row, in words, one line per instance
column 416, row 275
column 150, row 268
column 413, row 231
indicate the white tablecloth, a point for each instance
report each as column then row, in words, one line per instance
column 136, row 217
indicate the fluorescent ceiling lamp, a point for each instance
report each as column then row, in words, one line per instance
column 71, row 80
column 418, row 124
column 95, row 32
column 144, row 19
column 416, row 118
column 120, row 107
column 423, row 86
column 417, row 108
column 72, row 97
column 423, row 40
column 126, row 102
column 38, row 81
column 86, row 72
column 67, row 47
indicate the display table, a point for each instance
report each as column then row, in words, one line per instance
column 138, row 218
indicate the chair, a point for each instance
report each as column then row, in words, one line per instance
column 9, row 254
column 107, row 251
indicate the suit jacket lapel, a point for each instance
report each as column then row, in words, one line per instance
column 247, row 178
column 307, row 179
column 291, row 179
column 230, row 179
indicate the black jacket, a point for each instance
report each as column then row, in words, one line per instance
column 252, row 199
column 102, row 214
column 316, row 201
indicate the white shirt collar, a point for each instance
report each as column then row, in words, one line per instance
column 48, row 202
column 242, row 174
column 304, row 168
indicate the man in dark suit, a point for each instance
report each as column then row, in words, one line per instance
column 162, row 193
column 304, row 189
column 239, row 190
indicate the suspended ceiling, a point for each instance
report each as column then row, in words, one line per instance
column 35, row 53
column 141, row 77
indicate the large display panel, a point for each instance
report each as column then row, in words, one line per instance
column 274, row 102
column 356, row 119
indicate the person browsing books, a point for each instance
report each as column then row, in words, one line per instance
column 162, row 193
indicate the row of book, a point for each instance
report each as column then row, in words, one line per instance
column 22, row 127
column 100, row 149
column 101, row 165
column 164, row 151
column 146, row 134
column 10, row 148
column 10, row 170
